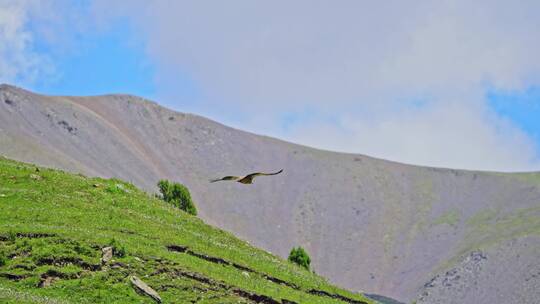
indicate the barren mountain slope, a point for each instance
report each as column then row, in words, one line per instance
column 368, row 224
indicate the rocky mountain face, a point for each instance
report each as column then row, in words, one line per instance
column 408, row 232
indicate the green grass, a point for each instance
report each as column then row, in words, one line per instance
column 530, row 177
column 450, row 218
column 492, row 226
column 489, row 227
column 55, row 225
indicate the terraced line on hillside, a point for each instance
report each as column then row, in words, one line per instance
column 186, row 250
column 64, row 261
column 60, row 262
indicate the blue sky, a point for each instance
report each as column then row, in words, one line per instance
column 522, row 108
column 437, row 84
column 111, row 61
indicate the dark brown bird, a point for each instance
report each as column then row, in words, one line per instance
column 248, row 179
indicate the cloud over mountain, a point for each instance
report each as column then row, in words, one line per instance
column 406, row 81
column 368, row 75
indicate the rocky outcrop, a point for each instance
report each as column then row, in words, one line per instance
column 46, row 281
column 106, row 254
column 454, row 280
column 142, row 288
column 502, row 274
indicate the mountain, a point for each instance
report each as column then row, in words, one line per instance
column 368, row 224
column 67, row 238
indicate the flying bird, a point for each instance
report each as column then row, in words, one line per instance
column 248, row 179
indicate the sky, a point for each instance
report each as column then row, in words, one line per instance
column 437, row 83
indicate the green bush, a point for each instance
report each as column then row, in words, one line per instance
column 165, row 189
column 178, row 195
column 299, row 256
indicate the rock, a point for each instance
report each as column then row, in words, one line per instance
column 144, row 289
column 35, row 177
column 447, row 287
column 46, row 281
column 119, row 265
column 107, row 254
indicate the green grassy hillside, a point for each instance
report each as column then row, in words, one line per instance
column 53, row 226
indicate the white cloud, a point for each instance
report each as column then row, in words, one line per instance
column 34, row 34
column 19, row 62
column 361, row 64
column 440, row 135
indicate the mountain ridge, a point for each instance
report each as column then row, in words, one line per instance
column 6, row 86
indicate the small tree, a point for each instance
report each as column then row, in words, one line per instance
column 299, row 256
column 178, row 195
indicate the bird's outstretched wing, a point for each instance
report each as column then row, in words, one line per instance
column 261, row 173
column 248, row 179
column 226, row 178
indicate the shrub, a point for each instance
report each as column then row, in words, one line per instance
column 299, row 256
column 178, row 195
column 165, row 189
